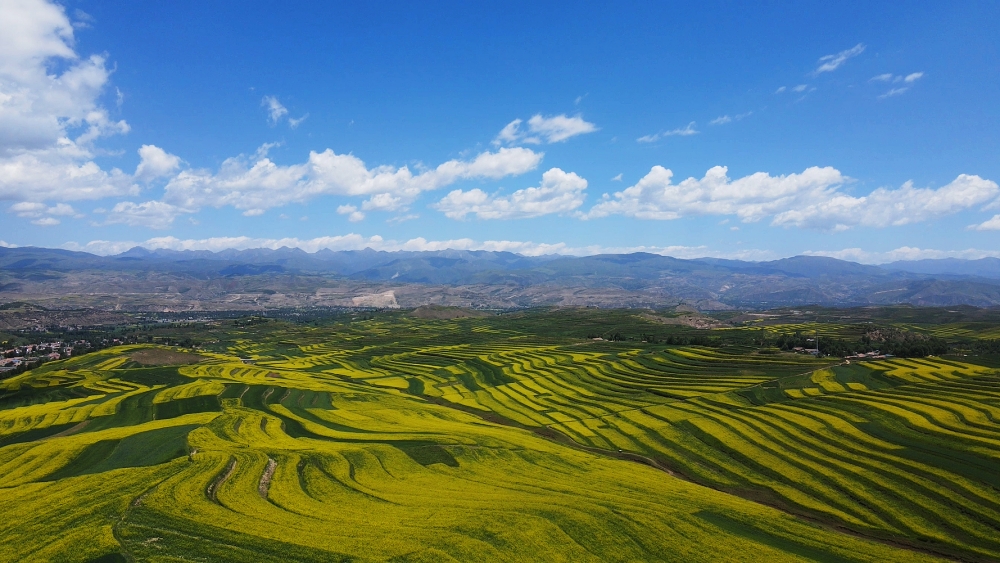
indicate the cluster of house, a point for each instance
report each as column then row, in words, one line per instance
column 30, row 354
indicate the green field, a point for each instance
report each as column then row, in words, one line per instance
column 504, row 438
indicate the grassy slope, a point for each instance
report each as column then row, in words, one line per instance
column 320, row 451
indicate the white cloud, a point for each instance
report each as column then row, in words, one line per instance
column 830, row 63
column 5, row 244
column 155, row 163
column 352, row 212
column 800, row 88
column 49, row 110
column 751, row 198
column 42, row 214
column 893, row 92
column 811, row 199
column 262, row 184
column 559, row 192
column 680, row 131
column 887, row 207
column 35, row 209
column 991, row 224
column 40, row 106
column 617, row 178
column 383, row 202
column 510, row 133
column 780, row 90
column 294, row 122
column 724, row 119
column 902, row 253
column 275, row 111
column 151, row 214
column 37, row 176
column 402, row 218
column 544, row 129
column 28, row 209
column 888, row 77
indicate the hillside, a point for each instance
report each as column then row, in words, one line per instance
column 253, row 279
column 510, row 437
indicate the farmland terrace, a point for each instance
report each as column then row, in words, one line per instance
column 576, row 435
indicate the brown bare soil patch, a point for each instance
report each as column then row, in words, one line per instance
column 159, row 357
column 692, row 320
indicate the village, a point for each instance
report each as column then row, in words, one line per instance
column 19, row 358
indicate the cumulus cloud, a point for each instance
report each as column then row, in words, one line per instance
column 41, row 214
column 541, row 129
column 991, row 224
column 685, row 131
column 35, row 176
column 559, row 192
column 353, row 215
column 751, row 198
column 830, row 63
column 886, row 207
column 49, row 110
column 155, row 162
column 812, row 199
column 260, row 184
column 34, row 209
column 151, row 214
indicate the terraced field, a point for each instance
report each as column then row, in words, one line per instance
column 482, row 440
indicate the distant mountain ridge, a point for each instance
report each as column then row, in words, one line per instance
column 982, row 267
column 492, row 278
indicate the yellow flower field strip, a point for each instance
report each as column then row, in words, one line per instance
column 809, row 491
column 926, row 422
column 899, row 496
column 978, row 418
column 987, row 388
column 70, row 516
column 38, row 459
column 31, row 417
column 946, row 417
column 769, row 464
column 870, row 452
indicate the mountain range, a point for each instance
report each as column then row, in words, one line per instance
column 290, row 277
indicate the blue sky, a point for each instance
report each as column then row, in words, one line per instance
column 864, row 132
